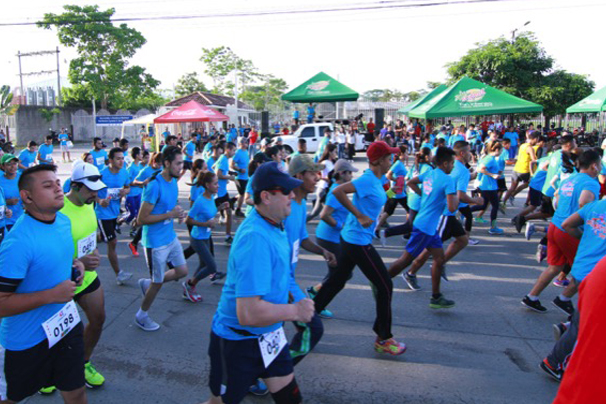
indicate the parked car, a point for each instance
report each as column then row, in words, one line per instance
column 313, row 133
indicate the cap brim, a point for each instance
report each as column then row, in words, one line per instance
column 93, row 185
column 291, row 183
column 318, row 167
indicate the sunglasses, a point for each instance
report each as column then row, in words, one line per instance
column 93, row 178
column 279, row 189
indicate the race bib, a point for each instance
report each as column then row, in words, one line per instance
column 113, row 193
column 87, row 245
column 271, row 344
column 100, row 161
column 295, row 252
column 59, row 325
column 31, row 164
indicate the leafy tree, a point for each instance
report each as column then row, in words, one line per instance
column 6, row 108
column 189, row 83
column 433, row 84
column 49, row 114
column 387, row 95
column 524, row 69
column 265, row 96
column 220, row 63
column 104, row 50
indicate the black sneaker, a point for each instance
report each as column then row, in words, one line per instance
column 217, row 276
column 519, row 222
column 554, row 373
column 239, row 213
column 441, row 303
column 566, row 307
column 411, row 281
column 533, row 305
column 229, row 240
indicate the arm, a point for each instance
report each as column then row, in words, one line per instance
column 210, row 223
column 145, row 216
column 413, row 184
column 255, row 312
column 573, row 224
column 224, row 177
column 533, row 159
column 12, row 304
column 312, row 247
column 452, row 202
column 484, row 171
column 463, row 197
column 390, row 176
column 585, row 198
column 326, row 216
column 340, row 193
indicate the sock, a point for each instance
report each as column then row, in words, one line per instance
column 493, row 224
column 436, row 295
column 533, row 298
column 141, row 314
column 564, row 298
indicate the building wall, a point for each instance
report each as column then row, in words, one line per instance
column 29, row 124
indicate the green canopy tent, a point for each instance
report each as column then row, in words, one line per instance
column 321, row 88
column 469, row 97
column 594, row 103
column 430, row 95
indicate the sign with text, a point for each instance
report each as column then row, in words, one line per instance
column 112, row 120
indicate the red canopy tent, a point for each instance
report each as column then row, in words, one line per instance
column 191, row 111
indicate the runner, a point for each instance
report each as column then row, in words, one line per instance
column 108, row 207
column 328, row 159
column 99, row 154
column 159, row 208
column 221, row 168
column 397, row 175
column 45, row 151
column 357, row 248
column 490, row 171
column 188, row 152
column 63, row 139
column 27, row 157
column 239, row 164
column 523, row 168
column 140, row 181
column 254, row 302
column 36, row 292
column 133, row 199
column 9, row 182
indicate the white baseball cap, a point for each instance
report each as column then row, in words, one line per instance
column 88, row 175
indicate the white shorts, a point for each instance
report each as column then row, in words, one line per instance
column 64, row 148
column 158, row 258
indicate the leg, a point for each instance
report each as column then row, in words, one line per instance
column 510, row 191
column 112, row 255
column 317, row 204
column 419, row 262
column 400, row 264
column 436, row 269
column 563, row 348
column 207, row 265
column 77, row 396
column 336, row 280
column 545, row 279
column 306, row 338
column 93, row 305
column 228, row 222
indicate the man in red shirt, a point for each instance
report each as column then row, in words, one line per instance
column 253, row 136
column 370, row 127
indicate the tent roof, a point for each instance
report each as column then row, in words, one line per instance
column 595, row 102
column 142, row 120
column 210, row 100
column 191, row 111
column 321, row 88
column 471, row 97
column 438, row 90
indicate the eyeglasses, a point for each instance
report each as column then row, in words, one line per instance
column 93, row 178
column 279, row 189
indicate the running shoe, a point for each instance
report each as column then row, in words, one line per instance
column 520, row 221
column 530, row 230
column 411, row 281
column 239, row 213
column 474, row 241
column 390, row 346
column 147, row 324
column 533, row 305
column 229, row 240
column 144, row 284
column 503, row 208
column 217, row 276
column 326, row 314
column 189, row 293
column 47, row 390
column 541, row 253
column 565, row 306
column 311, row 292
column 559, row 329
column 554, row 373
column 511, row 200
column 123, row 277
column 133, row 249
column 259, row 388
column 561, row 283
column 382, row 238
column 480, row 220
column 92, row 378
column 441, row 303
column 495, row 230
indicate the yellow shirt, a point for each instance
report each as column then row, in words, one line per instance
column 523, row 164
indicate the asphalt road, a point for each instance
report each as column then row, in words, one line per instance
column 484, row 350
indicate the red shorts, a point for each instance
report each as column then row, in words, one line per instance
column 561, row 246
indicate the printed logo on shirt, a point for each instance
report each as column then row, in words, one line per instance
column 427, row 186
column 567, row 189
column 598, row 225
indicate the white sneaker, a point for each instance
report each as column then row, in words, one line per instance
column 382, row 238
column 147, row 324
column 144, row 284
column 530, row 230
column 473, row 241
column 123, row 277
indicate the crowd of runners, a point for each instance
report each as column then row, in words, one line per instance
column 444, row 179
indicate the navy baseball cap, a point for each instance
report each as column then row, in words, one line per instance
column 269, row 176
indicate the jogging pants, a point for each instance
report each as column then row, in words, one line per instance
column 334, row 248
column 491, row 197
column 466, row 212
column 562, row 350
column 307, row 337
column 207, row 264
column 370, row 263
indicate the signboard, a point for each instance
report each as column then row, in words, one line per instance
column 112, row 120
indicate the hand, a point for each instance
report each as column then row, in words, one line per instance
column 212, row 223
column 63, row 292
column 177, row 212
column 478, row 201
column 104, row 202
column 365, row 221
column 122, row 192
column 305, row 310
column 330, row 258
column 91, row 261
column 8, row 213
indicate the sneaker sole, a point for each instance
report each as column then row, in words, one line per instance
column 146, row 329
column 93, row 386
column 438, row 306
column 532, row 308
column 562, row 310
column 549, row 372
column 382, row 350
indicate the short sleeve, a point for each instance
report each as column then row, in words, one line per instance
column 151, row 193
column 333, row 202
column 422, row 176
column 195, row 209
column 362, row 186
column 14, row 258
column 126, row 178
column 584, row 211
column 463, row 181
column 254, row 268
column 595, row 188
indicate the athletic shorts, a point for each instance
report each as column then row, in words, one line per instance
column 392, row 203
column 561, row 246
column 535, row 196
column 64, row 148
column 240, row 362
column 521, row 177
column 502, row 184
column 187, row 165
column 219, row 201
column 241, row 186
column 449, row 227
column 419, row 241
column 107, row 227
column 23, row 373
column 94, row 285
column 158, row 258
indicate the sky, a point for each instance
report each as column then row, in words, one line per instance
column 396, row 48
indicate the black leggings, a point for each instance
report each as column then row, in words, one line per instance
column 491, row 197
column 466, row 212
column 370, row 263
column 334, row 248
column 402, row 229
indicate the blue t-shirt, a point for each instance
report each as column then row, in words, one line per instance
column 295, row 114
column 311, row 111
column 115, row 182
column 258, row 266
column 455, row 138
column 569, row 194
column 555, row 164
column 40, row 265
column 249, row 190
column 146, row 172
column 295, row 226
column 203, row 210
column 502, row 160
column 369, row 199
column 11, row 191
column 99, row 158
column 232, row 135
column 133, row 171
column 241, row 162
column 210, row 162
column 189, row 150
column 163, row 195
column 63, row 138
column 27, row 158
column 436, row 185
column 206, row 151
column 460, row 175
column 414, row 200
column 399, row 170
column 325, row 231
column 427, row 145
column 538, row 179
column 487, row 183
column 593, row 246
column 513, row 137
column 46, row 153
column 166, row 134
column 222, row 167
column 195, row 191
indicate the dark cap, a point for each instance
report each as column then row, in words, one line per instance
column 269, row 176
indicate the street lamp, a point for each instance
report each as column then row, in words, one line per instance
column 513, row 33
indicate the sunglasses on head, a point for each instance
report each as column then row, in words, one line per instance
column 93, row 178
column 279, row 189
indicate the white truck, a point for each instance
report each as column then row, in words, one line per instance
column 313, row 133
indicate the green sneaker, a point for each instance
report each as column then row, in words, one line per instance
column 441, row 303
column 93, row 379
column 47, row 390
column 480, row 220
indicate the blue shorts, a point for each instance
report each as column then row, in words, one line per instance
column 133, row 204
column 419, row 241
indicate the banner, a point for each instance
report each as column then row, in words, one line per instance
column 112, row 120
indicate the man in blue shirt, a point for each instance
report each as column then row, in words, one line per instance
column 206, row 151
column 311, row 113
column 166, row 134
column 38, row 279
column 63, row 139
column 133, row 200
column 514, row 137
column 45, row 152
column 438, row 195
column 158, row 210
column 239, row 164
column 295, row 116
column 256, row 299
column 107, row 209
column 188, row 155
column 99, row 155
column 221, row 168
column 9, row 182
column 27, row 157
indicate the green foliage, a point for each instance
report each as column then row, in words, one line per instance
column 79, row 96
column 48, row 115
column 220, row 63
column 387, row 95
column 189, row 83
column 524, row 69
column 433, row 84
column 103, row 53
column 266, row 95
column 5, row 99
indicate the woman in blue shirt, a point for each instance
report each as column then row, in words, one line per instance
column 490, row 171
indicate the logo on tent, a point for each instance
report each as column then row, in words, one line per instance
column 188, row 112
column 591, row 102
column 472, row 95
column 318, row 85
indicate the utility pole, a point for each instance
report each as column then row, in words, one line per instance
column 58, row 80
column 20, row 79
column 40, row 72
